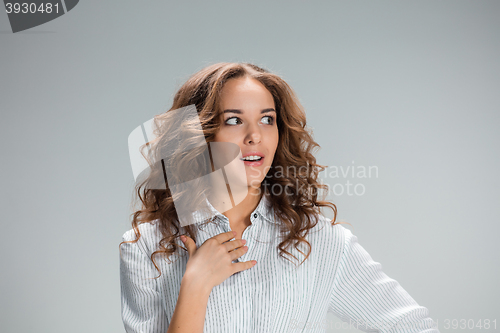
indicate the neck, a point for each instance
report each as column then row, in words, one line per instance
column 240, row 214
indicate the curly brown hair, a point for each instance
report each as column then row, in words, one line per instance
column 294, row 167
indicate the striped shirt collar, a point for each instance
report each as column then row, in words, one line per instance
column 263, row 211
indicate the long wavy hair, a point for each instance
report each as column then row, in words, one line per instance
column 294, row 167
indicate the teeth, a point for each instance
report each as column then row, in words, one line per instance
column 251, row 158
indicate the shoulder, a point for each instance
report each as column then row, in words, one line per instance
column 149, row 239
column 328, row 231
column 329, row 239
column 328, row 245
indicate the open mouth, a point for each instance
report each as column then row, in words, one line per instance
column 252, row 158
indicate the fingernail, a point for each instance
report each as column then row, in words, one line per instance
column 183, row 238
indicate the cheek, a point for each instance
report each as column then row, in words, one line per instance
column 272, row 149
column 218, row 136
column 222, row 136
column 276, row 140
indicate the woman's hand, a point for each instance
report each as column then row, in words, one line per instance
column 211, row 263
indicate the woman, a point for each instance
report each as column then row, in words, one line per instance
column 240, row 271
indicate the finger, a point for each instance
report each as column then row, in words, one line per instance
column 238, row 253
column 237, row 243
column 241, row 266
column 190, row 245
column 225, row 236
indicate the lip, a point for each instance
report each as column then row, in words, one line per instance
column 253, row 163
column 252, row 153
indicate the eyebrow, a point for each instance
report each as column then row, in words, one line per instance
column 240, row 112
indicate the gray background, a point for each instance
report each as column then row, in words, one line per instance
column 409, row 87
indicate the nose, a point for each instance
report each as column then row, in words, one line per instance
column 253, row 136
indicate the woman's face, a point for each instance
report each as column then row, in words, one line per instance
column 249, row 120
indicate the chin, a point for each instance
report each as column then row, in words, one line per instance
column 254, row 183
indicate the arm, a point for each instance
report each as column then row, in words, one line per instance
column 370, row 299
column 191, row 307
column 142, row 309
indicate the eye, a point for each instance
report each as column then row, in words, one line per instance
column 232, row 120
column 270, row 120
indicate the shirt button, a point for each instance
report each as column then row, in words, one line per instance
column 255, row 215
